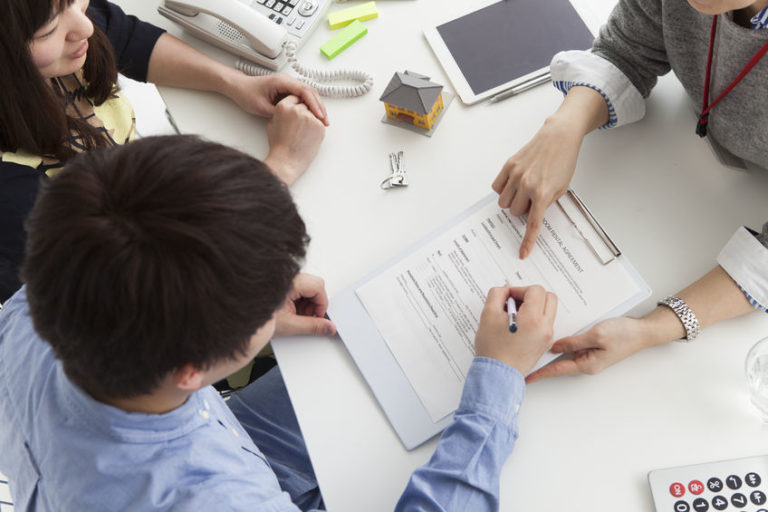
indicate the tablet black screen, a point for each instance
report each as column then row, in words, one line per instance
column 512, row 38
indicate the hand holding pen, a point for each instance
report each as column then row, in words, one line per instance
column 535, row 315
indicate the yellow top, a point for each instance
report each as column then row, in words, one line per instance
column 114, row 118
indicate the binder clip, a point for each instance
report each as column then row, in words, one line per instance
column 397, row 178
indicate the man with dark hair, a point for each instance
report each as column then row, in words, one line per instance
column 155, row 269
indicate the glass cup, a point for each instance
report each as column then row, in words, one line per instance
column 756, row 368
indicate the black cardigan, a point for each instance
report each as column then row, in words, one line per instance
column 133, row 42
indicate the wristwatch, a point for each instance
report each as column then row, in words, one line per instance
column 685, row 314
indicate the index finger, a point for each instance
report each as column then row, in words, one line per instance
column 532, row 227
column 550, row 307
column 289, row 100
column 311, row 98
column 555, row 369
column 496, row 299
column 319, row 102
column 534, row 299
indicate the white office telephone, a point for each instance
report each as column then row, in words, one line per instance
column 267, row 32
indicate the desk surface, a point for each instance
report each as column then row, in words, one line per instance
column 586, row 443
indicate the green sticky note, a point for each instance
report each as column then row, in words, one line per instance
column 343, row 39
column 360, row 12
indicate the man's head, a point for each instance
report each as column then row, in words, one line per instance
column 166, row 252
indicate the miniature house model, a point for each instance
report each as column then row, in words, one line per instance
column 412, row 98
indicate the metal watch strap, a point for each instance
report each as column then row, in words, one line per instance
column 685, row 314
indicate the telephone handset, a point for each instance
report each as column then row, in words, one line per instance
column 267, row 32
column 233, row 26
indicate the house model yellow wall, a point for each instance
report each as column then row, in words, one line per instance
column 424, row 121
column 411, row 98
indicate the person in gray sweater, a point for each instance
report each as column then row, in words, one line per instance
column 605, row 88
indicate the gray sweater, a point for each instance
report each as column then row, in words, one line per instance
column 647, row 38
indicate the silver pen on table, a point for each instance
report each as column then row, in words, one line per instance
column 521, row 87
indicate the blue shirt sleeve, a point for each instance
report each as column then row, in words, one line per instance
column 132, row 39
column 463, row 473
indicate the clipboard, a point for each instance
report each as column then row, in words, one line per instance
column 383, row 373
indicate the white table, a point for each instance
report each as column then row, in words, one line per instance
column 586, row 443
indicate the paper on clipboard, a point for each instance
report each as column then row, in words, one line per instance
column 425, row 305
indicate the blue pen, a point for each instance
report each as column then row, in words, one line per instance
column 512, row 310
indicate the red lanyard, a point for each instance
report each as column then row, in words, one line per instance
column 701, row 126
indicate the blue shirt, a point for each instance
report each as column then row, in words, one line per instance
column 63, row 450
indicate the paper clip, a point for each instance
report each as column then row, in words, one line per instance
column 397, row 178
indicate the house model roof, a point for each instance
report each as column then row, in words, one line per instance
column 412, row 91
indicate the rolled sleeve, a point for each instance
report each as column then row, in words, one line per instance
column 132, row 39
column 583, row 68
column 492, row 389
column 745, row 259
column 463, row 473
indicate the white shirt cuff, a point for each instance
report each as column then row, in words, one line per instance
column 745, row 259
column 625, row 103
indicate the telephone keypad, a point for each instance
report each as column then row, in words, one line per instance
column 298, row 15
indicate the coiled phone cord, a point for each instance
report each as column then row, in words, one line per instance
column 320, row 80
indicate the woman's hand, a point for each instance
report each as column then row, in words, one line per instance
column 175, row 63
column 294, row 135
column 605, row 344
column 259, row 95
column 538, row 174
column 713, row 298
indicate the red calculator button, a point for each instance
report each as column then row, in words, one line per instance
column 695, row 487
column 677, row 489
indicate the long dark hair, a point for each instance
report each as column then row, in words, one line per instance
column 32, row 114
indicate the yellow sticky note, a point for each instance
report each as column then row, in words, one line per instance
column 343, row 39
column 346, row 16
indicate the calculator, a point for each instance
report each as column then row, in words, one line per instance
column 739, row 485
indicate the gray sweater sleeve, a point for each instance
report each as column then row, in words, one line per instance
column 763, row 236
column 633, row 41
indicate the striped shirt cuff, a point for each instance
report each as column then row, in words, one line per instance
column 625, row 103
column 745, row 259
column 755, row 304
column 760, row 20
column 564, row 87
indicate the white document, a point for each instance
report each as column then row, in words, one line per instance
column 427, row 305
column 6, row 505
column 152, row 116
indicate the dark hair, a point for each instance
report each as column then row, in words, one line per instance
column 32, row 113
column 164, row 252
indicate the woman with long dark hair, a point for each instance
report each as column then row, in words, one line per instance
column 59, row 61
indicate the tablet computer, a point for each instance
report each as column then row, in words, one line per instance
column 505, row 44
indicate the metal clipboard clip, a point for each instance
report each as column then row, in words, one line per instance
column 592, row 233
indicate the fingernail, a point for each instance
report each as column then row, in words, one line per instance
column 328, row 331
